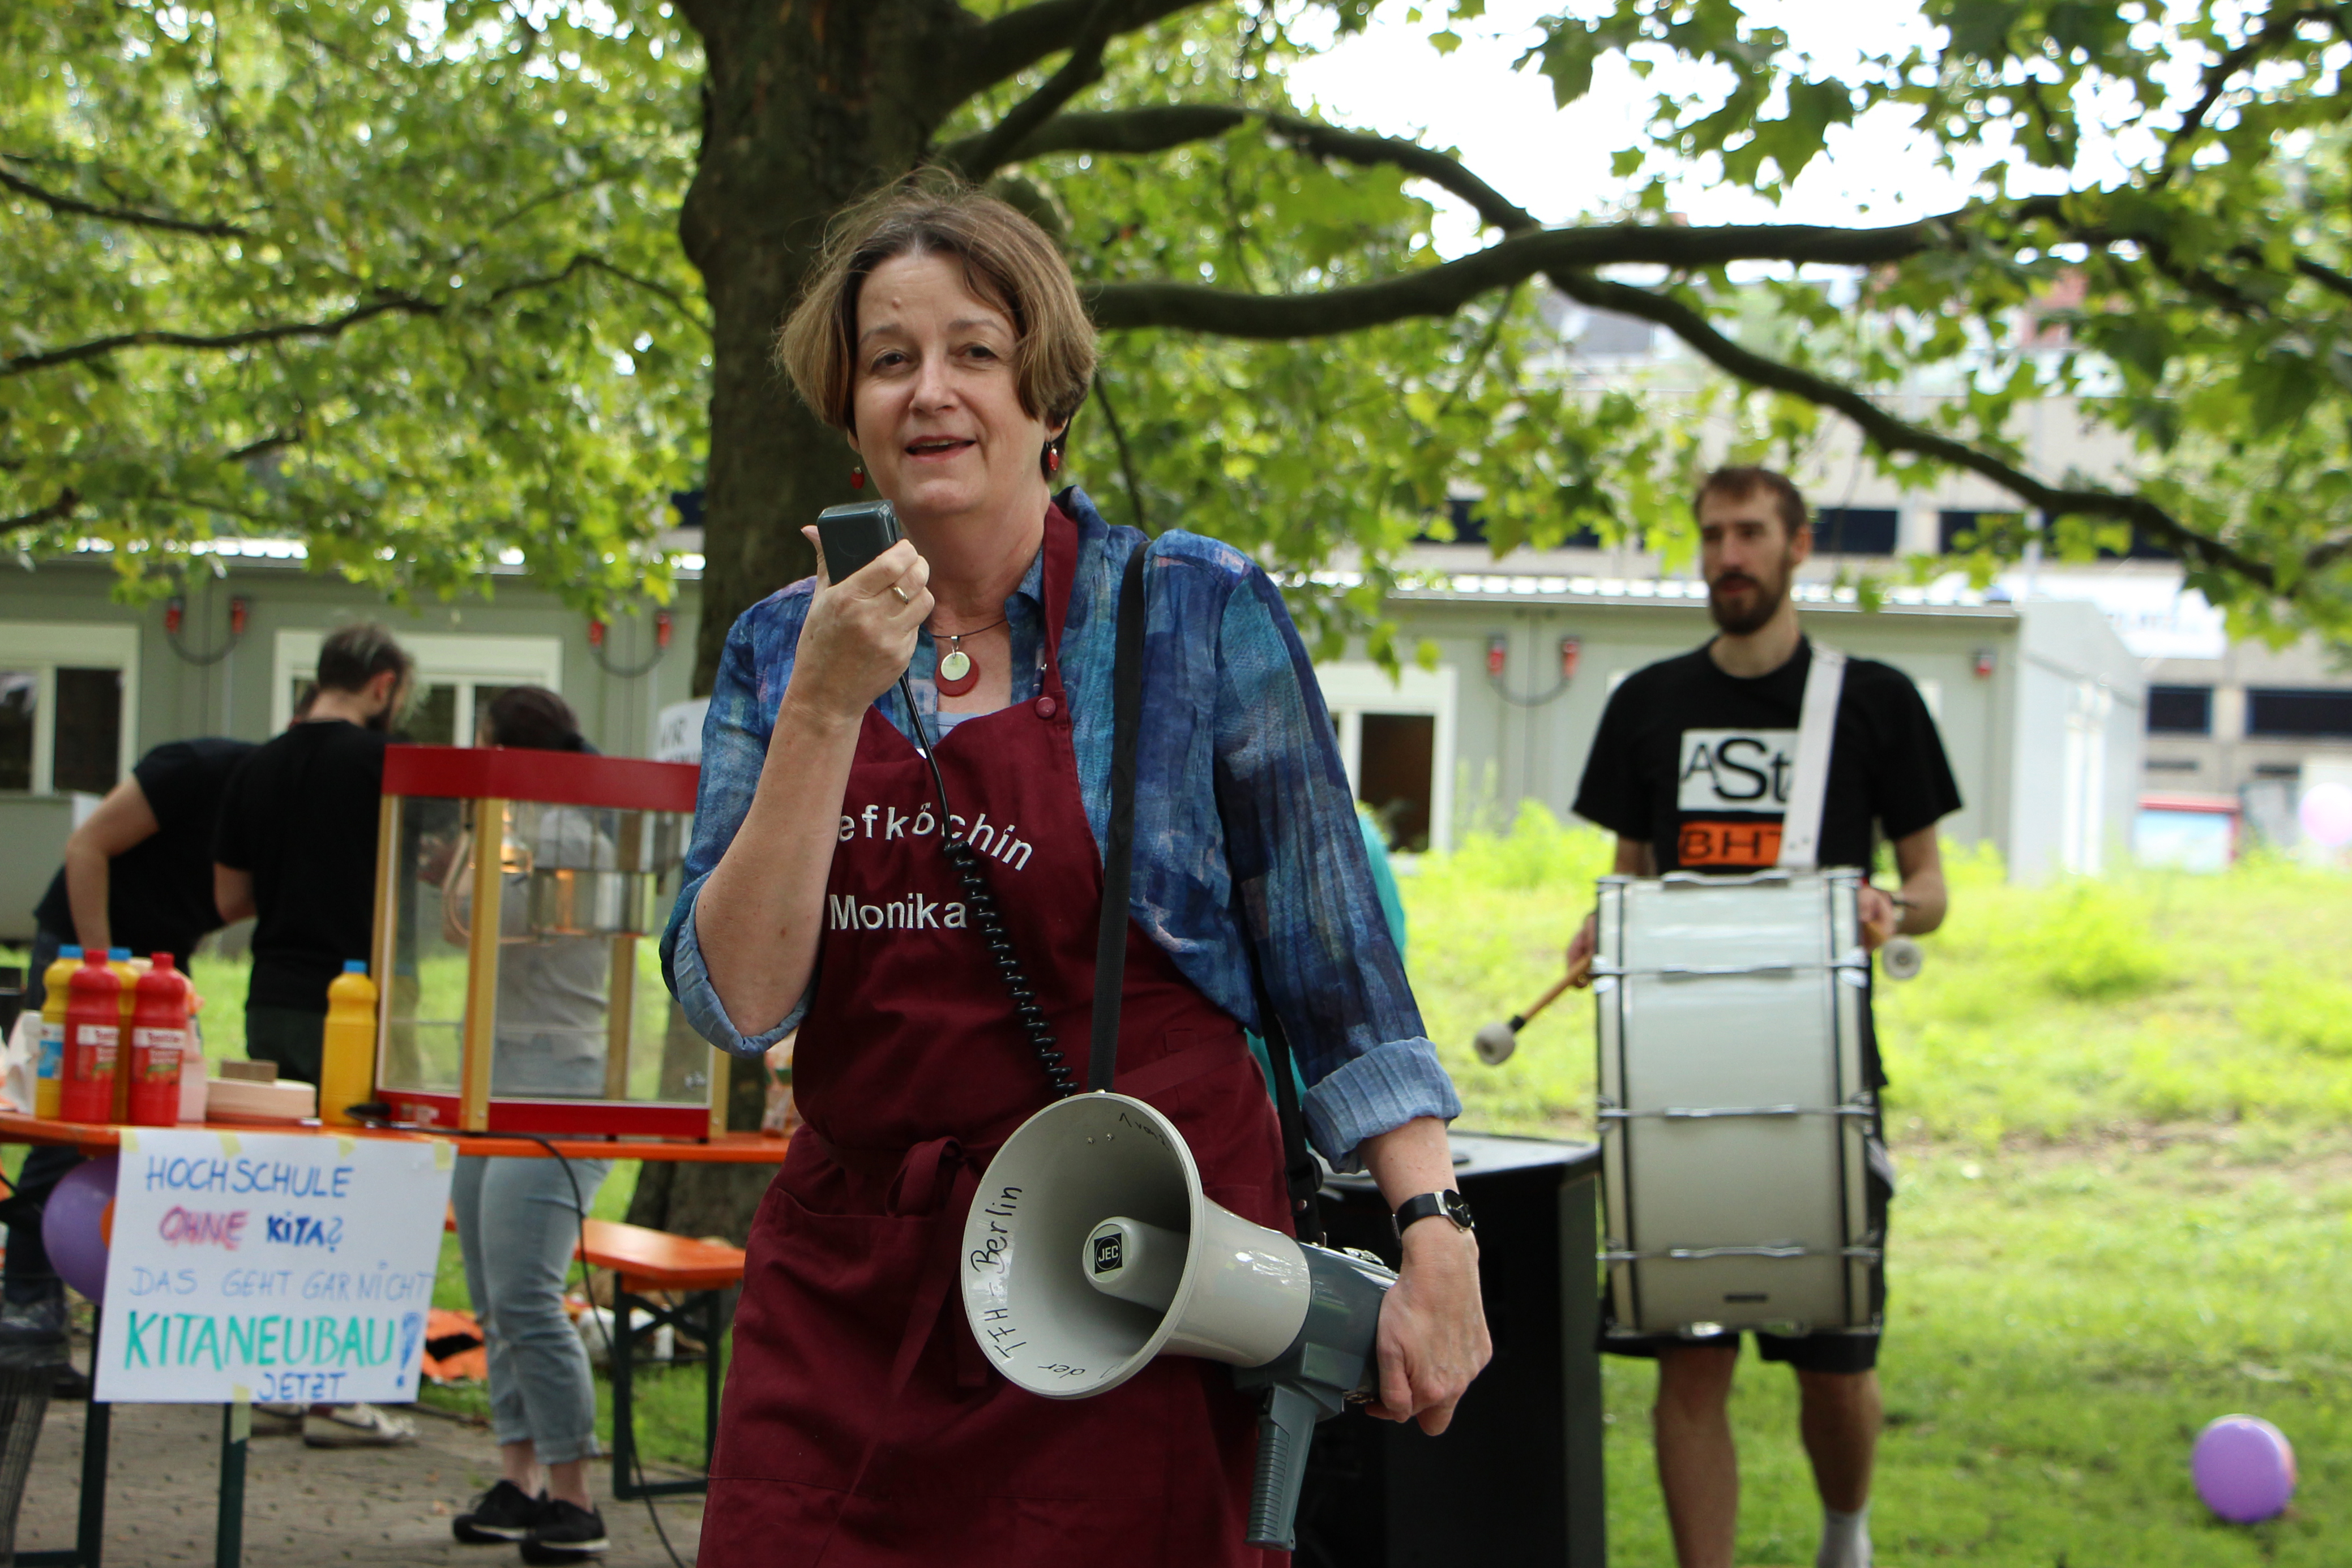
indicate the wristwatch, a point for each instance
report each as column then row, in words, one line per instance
column 1430, row 1204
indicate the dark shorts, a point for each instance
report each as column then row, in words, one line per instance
column 1838, row 1352
column 294, row 1039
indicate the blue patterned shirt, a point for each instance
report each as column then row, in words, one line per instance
column 1246, row 827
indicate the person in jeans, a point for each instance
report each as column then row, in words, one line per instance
column 519, row 1219
column 296, row 852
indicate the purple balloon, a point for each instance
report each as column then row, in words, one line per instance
column 2244, row 1469
column 69, row 1226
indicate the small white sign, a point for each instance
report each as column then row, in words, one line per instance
column 269, row 1267
column 677, row 731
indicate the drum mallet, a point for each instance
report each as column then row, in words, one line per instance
column 1899, row 958
column 1495, row 1042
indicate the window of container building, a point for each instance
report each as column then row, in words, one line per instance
column 2291, row 711
column 1855, row 530
column 65, row 707
column 1470, row 528
column 2180, row 710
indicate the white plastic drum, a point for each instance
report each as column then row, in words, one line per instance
column 1735, row 1117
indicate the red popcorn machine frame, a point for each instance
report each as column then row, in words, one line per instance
column 531, row 1001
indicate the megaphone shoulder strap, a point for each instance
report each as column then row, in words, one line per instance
column 1119, row 845
column 1300, row 1178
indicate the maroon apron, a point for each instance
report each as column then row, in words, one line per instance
column 861, row 1423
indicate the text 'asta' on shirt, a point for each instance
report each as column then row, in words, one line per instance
column 1696, row 763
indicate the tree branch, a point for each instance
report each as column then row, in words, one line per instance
column 1442, row 290
column 1162, row 127
column 1441, row 169
column 1081, row 70
column 1126, row 458
column 164, row 221
column 2280, row 28
column 334, row 326
column 677, row 301
column 991, row 52
column 1890, row 433
column 1128, row 131
column 2327, row 277
column 68, row 501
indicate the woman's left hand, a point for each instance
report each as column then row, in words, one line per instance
column 1432, row 1336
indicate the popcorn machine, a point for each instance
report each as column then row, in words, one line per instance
column 520, row 896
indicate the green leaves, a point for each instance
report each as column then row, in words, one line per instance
column 409, row 294
column 406, row 284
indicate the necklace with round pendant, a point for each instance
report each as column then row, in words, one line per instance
column 957, row 673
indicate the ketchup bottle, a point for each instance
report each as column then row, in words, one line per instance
column 159, row 1042
column 93, row 1034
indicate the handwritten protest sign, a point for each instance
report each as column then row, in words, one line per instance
column 269, row 1267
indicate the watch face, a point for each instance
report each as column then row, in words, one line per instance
column 1456, row 1210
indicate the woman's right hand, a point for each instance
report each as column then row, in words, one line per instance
column 859, row 634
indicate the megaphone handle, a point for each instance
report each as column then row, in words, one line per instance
column 1285, row 1433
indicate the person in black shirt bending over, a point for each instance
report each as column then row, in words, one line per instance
column 138, row 874
column 1691, row 770
column 296, row 846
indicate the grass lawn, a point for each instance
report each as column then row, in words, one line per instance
column 2124, row 1208
column 2120, row 1111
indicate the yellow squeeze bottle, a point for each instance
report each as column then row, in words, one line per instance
column 347, row 1057
column 48, row 1085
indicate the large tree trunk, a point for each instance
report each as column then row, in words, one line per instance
column 807, row 105
column 807, row 108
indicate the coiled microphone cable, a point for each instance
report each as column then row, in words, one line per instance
column 988, row 919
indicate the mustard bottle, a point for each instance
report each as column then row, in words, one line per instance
column 50, row 1043
column 347, row 1057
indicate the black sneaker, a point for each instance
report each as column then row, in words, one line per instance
column 565, row 1534
column 503, row 1514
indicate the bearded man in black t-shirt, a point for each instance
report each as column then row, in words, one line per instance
column 1691, row 770
column 296, row 845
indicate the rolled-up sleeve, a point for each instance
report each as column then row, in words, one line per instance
column 734, row 748
column 1312, row 909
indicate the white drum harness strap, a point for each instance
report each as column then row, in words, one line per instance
column 1800, row 828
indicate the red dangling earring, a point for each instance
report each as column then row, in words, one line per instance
column 857, row 479
column 1053, row 461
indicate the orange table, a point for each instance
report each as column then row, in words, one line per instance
column 732, row 1148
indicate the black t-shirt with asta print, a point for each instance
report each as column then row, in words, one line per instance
column 1696, row 763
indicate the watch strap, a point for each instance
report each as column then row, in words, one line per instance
column 1430, row 1205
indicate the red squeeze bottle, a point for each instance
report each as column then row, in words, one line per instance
column 158, row 1044
column 93, row 1036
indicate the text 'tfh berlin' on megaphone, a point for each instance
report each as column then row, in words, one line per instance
column 1091, row 1249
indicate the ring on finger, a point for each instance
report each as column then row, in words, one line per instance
column 901, row 594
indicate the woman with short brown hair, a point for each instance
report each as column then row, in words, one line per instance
column 863, row 1423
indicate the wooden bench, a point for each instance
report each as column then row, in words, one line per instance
column 643, row 1261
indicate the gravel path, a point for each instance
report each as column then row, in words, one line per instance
column 304, row 1507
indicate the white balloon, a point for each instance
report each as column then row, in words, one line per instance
column 2327, row 814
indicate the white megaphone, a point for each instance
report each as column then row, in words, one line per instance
column 1091, row 1249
